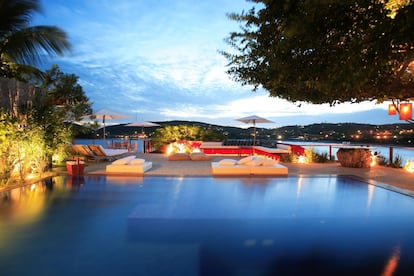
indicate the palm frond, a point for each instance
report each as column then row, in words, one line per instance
column 29, row 45
column 16, row 14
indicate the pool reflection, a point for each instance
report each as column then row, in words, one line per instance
column 205, row 226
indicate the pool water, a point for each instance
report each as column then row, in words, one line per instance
column 108, row 225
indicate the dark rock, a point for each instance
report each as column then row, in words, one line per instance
column 354, row 157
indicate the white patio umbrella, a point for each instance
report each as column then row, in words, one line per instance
column 142, row 124
column 254, row 119
column 105, row 114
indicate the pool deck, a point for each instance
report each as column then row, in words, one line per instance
column 398, row 180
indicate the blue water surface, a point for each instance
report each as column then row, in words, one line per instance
column 112, row 225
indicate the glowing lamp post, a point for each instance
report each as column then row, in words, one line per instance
column 406, row 111
column 392, row 109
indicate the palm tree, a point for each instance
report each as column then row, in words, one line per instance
column 22, row 46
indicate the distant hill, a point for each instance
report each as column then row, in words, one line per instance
column 352, row 132
column 365, row 133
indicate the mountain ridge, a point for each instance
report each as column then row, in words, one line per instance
column 401, row 133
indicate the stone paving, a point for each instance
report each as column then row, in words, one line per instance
column 390, row 178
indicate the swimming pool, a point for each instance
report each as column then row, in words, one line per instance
column 107, row 225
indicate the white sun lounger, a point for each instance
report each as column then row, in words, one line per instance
column 256, row 166
column 129, row 165
column 109, row 154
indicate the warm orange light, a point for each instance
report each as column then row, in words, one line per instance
column 392, row 109
column 302, row 159
column 33, row 187
column 170, row 149
column 409, row 166
column 406, row 111
column 392, row 263
column 176, row 147
column 374, row 161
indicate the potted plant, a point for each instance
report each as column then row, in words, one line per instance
column 75, row 167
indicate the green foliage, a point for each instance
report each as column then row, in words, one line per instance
column 65, row 101
column 31, row 142
column 27, row 148
column 170, row 134
column 309, row 157
column 397, row 162
column 325, row 51
column 51, row 122
column 382, row 160
column 312, row 156
column 66, row 94
column 33, row 151
column 9, row 127
column 289, row 158
column 393, row 6
column 22, row 149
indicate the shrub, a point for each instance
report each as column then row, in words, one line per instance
column 169, row 134
column 309, row 157
column 25, row 150
column 315, row 157
column 289, row 158
column 381, row 160
column 397, row 162
column 320, row 157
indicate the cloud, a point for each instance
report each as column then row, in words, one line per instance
column 159, row 60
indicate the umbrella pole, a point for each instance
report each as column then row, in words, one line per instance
column 254, row 135
column 103, row 120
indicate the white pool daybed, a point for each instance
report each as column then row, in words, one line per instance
column 130, row 165
column 250, row 165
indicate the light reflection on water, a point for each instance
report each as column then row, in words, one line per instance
column 205, row 226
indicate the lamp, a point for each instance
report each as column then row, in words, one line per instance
column 406, row 111
column 392, row 109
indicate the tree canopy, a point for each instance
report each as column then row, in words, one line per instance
column 63, row 101
column 22, row 45
column 325, row 51
column 65, row 94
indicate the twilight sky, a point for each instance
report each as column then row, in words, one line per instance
column 158, row 60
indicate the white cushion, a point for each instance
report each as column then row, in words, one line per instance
column 114, row 152
column 123, row 161
column 136, row 161
column 199, row 156
column 245, row 160
column 137, row 169
column 269, row 162
column 228, row 162
column 179, row 157
column 255, row 162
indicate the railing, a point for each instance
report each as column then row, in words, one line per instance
column 136, row 145
column 387, row 151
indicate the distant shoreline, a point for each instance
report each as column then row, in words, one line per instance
column 387, row 135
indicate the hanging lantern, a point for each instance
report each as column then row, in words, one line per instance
column 392, row 109
column 406, row 111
